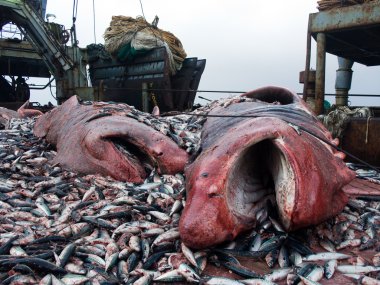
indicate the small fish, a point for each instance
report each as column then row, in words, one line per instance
column 315, row 274
column 166, row 236
column 111, row 261
column 257, row 281
column 329, row 268
column 283, row 257
column 96, row 260
column 65, row 254
column 272, row 243
column 349, row 243
column 327, row 245
column 73, row 279
column 187, row 272
column 355, row 269
column 278, row 274
column 201, row 259
column 145, row 248
column 17, row 251
column 170, row 276
column 296, row 258
column 132, row 261
column 188, row 254
column 241, row 270
column 159, row 215
column 362, row 279
column 256, row 243
column 177, row 206
column 34, row 262
column 143, row 280
column 272, row 257
column 326, row 256
column 308, row 281
column 221, row 281
column 134, row 243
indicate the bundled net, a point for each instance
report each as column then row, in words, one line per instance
column 336, row 121
column 139, row 35
column 331, row 4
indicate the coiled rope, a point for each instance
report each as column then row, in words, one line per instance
column 331, row 4
column 140, row 34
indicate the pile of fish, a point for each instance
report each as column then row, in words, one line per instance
column 61, row 227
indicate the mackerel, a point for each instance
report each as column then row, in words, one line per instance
column 326, row 256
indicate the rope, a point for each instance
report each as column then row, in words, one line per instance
column 75, row 10
column 340, row 149
column 219, row 91
column 331, row 4
column 142, row 35
column 142, row 9
column 298, row 127
column 336, row 121
column 51, row 92
column 93, row 14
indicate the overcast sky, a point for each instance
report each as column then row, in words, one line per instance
column 247, row 43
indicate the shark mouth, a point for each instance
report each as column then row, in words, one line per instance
column 260, row 178
column 134, row 155
column 259, row 164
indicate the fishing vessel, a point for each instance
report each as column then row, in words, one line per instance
column 34, row 47
column 65, row 227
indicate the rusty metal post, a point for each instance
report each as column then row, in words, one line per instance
column 320, row 73
column 144, row 97
column 307, row 63
column 101, row 90
column 309, row 87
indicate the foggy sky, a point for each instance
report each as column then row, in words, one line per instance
column 247, row 43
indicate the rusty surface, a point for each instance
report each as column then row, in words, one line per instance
column 352, row 32
column 239, row 152
column 345, row 18
column 320, row 73
column 361, row 138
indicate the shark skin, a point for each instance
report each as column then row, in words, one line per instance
column 85, row 136
column 263, row 157
column 23, row 112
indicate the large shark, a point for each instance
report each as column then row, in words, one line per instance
column 270, row 150
column 102, row 138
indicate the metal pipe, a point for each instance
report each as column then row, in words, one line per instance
column 41, row 88
column 320, row 73
column 43, row 8
column 307, row 64
column 343, row 81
